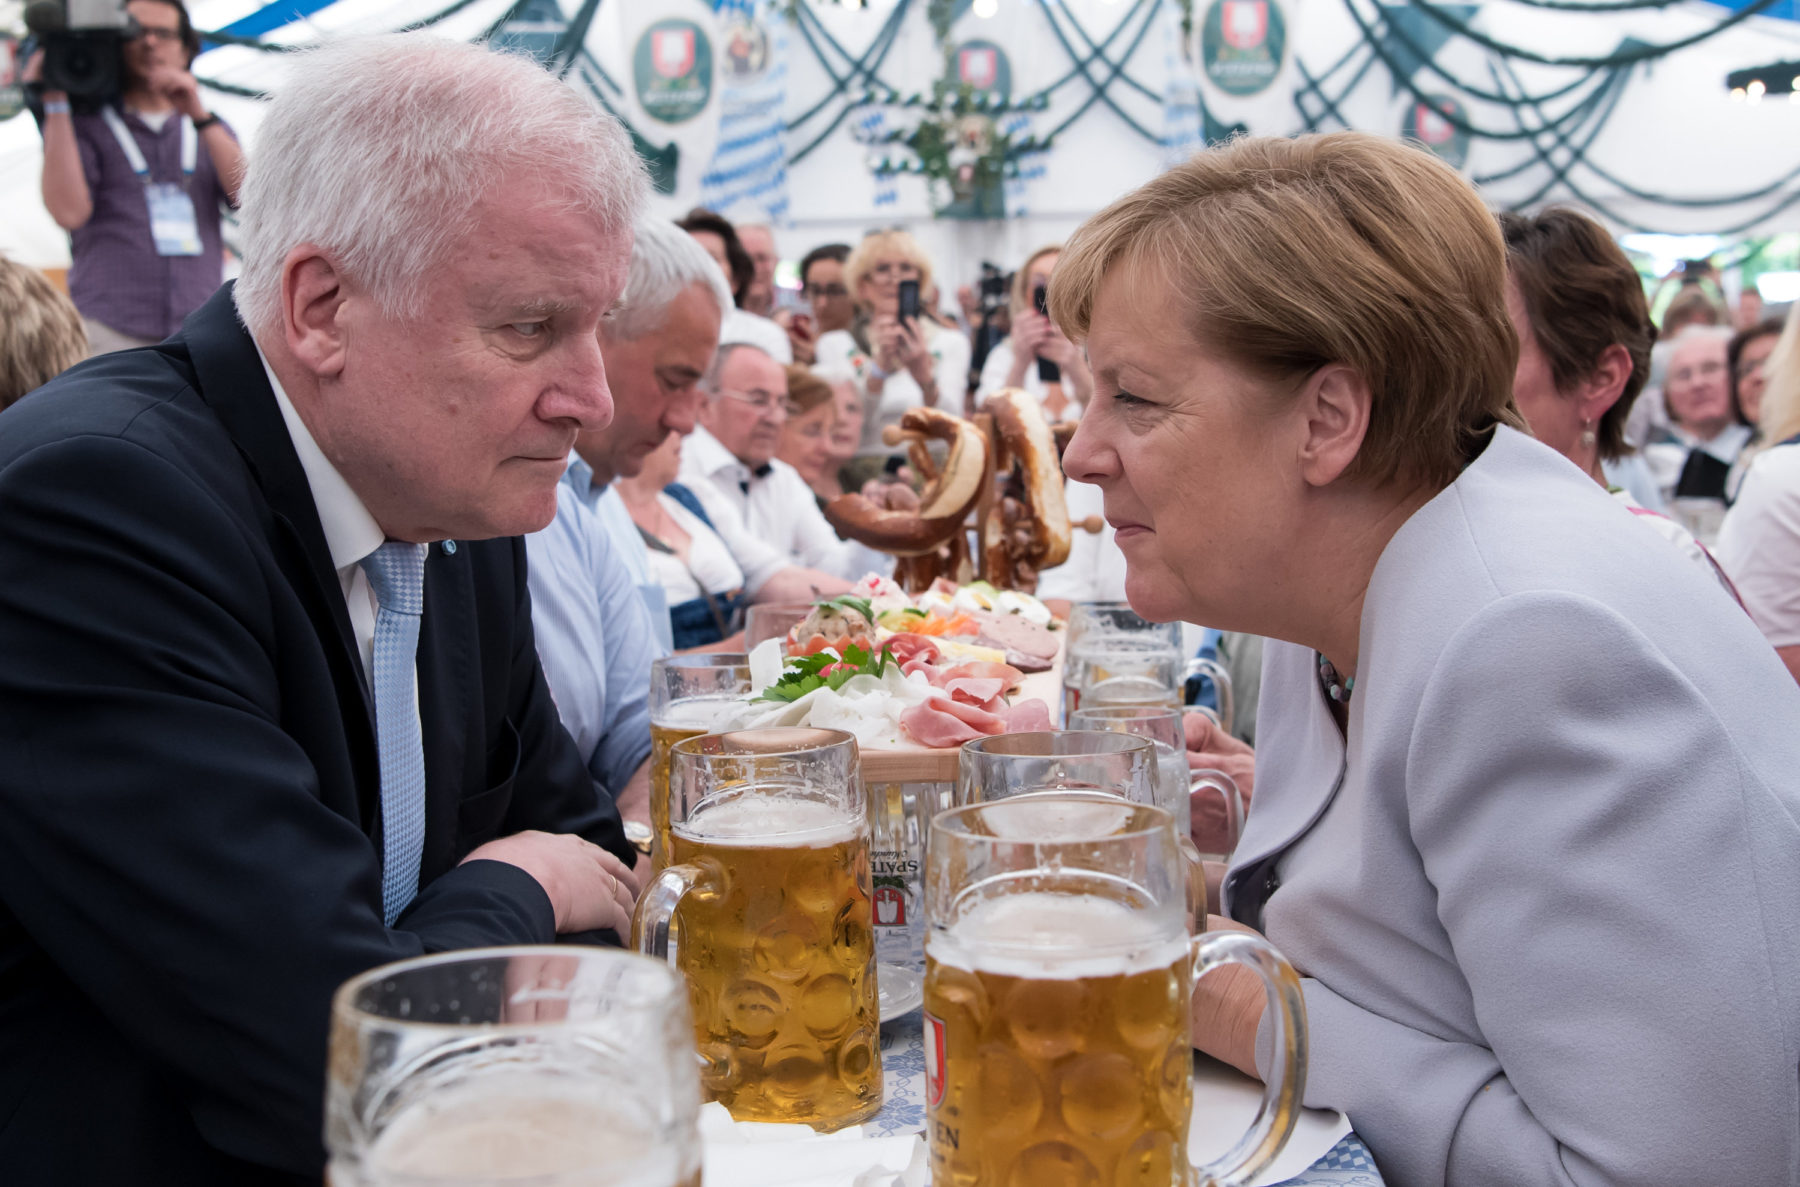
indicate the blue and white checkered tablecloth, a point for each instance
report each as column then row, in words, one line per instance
column 1346, row 1164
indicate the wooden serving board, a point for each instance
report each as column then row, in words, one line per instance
column 922, row 765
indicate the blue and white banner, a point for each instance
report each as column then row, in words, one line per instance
column 869, row 127
column 748, row 172
column 1183, row 128
column 1030, row 165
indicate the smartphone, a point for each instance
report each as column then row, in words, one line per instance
column 1048, row 371
column 909, row 300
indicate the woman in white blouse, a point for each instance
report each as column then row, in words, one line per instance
column 897, row 364
column 1759, row 544
column 1014, row 360
column 687, row 557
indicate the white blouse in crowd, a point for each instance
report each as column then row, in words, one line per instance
column 838, row 354
column 1760, row 544
column 775, row 507
column 708, row 560
column 994, row 374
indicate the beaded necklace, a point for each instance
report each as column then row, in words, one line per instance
column 1338, row 690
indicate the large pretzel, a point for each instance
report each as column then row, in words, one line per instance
column 944, row 503
column 1027, row 530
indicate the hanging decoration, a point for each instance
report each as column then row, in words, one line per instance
column 1183, row 128
column 749, row 167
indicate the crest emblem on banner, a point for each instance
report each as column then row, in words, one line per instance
column 1243, row 44
column 746, row 51
column 1434, row 122
column 1244, row 23
column 673, row 69
column 982, row 66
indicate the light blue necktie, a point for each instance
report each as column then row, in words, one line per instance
column 396, row 570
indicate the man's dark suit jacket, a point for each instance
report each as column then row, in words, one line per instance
column 189, row 788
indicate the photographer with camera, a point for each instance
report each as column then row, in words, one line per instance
column 136, row 177
column 1036, row 356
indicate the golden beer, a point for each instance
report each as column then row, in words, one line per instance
column 683, row 719
column 1057, row 1045
column 780, row 959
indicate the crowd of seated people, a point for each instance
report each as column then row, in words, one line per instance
column 726, row 403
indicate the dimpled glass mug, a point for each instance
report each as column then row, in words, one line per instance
column 689, row 694
column 769, row 882
column 1058, row 972
column 500, row 1067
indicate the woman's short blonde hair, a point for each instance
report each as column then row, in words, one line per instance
column 1021, row 285
column 879, row 245
column 1291, row 254
column 41, row 335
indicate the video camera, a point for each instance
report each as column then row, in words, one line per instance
column 83, row 43
column 994, row 284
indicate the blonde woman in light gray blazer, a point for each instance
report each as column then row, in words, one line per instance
column 1527, row 805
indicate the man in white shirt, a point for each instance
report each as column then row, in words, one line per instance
column 730, row 465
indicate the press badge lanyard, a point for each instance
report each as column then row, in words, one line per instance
column 173, row 225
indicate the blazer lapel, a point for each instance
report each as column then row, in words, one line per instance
column 1300, row 761
column 235, row 387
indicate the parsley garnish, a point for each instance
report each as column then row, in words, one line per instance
column 807, row 673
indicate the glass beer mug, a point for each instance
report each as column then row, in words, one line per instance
column 1056, row 760
column 1058, row 1039
column 1115, row 657
column 558, row 1067
column 689, row 694
column 769, row 880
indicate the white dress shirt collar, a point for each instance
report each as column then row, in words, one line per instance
column 710, row 457
column 351, row 533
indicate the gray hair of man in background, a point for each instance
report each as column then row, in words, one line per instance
column 666, row 261
column 390, row 199
column 727, row 348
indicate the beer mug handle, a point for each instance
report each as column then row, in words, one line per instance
column 1214, row 671
column 1280, row 1107
column 1228, row 790
column 656, row 909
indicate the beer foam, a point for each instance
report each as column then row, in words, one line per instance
column 698, row 712
column 771, row 821
column 1062, row 937
column 1032, row 817
column 516, row 1128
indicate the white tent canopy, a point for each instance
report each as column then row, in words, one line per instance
column 1671, row 131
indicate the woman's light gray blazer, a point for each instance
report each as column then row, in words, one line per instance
column 1547, row 901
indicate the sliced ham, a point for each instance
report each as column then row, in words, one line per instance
column 942, row 721
column 987, row 669
column 1027, row 716
column 973, row 690
column 929, row 725
column 907, row 647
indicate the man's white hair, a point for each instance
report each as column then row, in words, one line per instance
column 666, row 261
column 709, row 383
column 378, row 150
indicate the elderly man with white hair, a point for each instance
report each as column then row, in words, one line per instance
column 271, row 712
column 730, row 466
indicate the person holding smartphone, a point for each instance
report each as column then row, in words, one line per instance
column 899, row 358
column 1036, row 356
